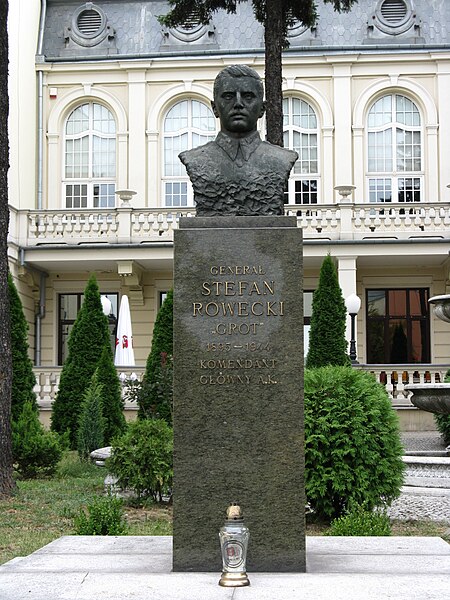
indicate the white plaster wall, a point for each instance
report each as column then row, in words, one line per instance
column 23, row 25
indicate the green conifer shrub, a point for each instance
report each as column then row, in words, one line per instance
column 91, row 427
column 327, row 343
column 111, row 396
column 23, row 379
column 36, row 452
column 103, row 516
column 353, row 452
column 90, row 334
column 142, row 459
column 151, row 402
column 443, row 421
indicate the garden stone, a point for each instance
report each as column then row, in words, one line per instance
column 100, row 455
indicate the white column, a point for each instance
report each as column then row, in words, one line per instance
column 154, row 166
column 360, row 166
column 347, row 281
column 327, row 167
column 137, row 142
column 433, row 171
column 122, row 161
column 443, row 94
column 53, row 178
column 343, row 161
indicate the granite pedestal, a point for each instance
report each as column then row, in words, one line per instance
column 238, row 399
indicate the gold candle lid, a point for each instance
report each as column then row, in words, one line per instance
column 234, row 512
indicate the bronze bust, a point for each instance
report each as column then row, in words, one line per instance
column 238, row 173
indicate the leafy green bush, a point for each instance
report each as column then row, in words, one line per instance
column 91, row 424
column 154, row 400
column 142, row 459
column 443, row 421
column 360, row 521
column 104, row 517
column 36, row 452
column 353, row 452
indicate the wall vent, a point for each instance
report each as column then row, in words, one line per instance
column 192, row 21
column 191, row 31
column 393, row 11
column 89, row 22
column 89, row 29
column 394, row 18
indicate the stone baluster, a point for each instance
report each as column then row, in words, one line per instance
column 389, row 386
column 77, row 224
column 47, row 389
column 400, row 387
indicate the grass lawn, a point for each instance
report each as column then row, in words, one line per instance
column 43, row 510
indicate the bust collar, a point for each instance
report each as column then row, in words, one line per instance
column 231, row 146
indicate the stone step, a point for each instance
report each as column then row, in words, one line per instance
column 427, row 471
column 429, row 453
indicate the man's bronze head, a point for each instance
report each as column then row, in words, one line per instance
column 238, row 100
column 238, row 71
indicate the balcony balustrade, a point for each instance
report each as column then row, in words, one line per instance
column 393, row 377
column 344, row 221
column 47, row 384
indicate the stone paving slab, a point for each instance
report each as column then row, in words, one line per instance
column 113, row 586
column 390, row 545
column 109, row 545
column 204, row 586
column 338, row 568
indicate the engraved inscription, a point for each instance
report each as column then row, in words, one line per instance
column 238, row 301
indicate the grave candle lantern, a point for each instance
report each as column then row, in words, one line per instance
column 234, row 537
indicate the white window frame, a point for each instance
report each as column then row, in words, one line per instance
column 394, row 177
column 296, row 178
column 90, row 181
column 190, row 131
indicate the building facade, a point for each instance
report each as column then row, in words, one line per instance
column 103, row 98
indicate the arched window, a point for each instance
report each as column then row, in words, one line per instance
column 394, row 150
column 90, row 157
column 301, row 134
column 187, row 124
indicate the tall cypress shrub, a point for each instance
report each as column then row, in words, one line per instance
column 23, row 379
column 111, row 396
column 327, row 343
column 152, row 403
column 88, row 338
column 91, row 426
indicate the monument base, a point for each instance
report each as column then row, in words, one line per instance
column 238, row 390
